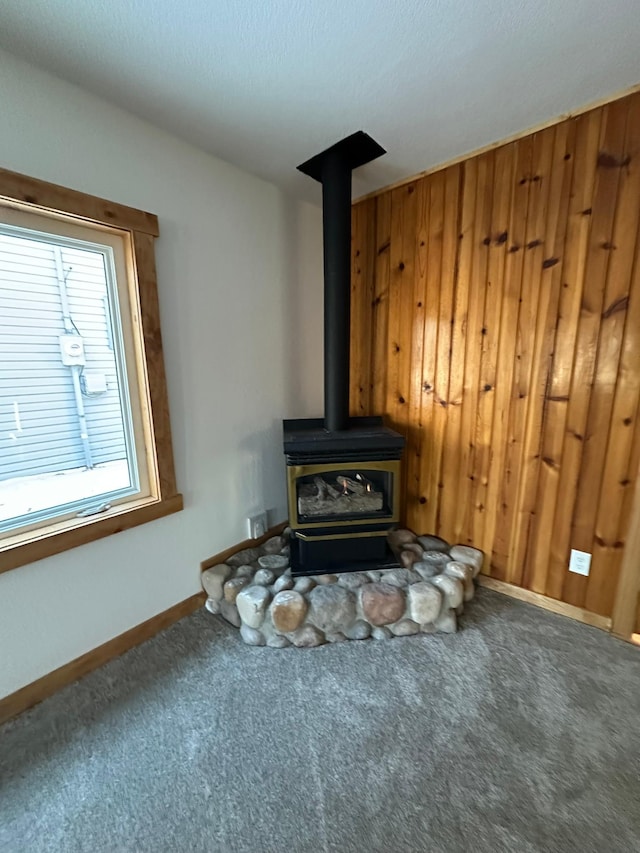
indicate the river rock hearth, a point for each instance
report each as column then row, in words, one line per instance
column 254, row 591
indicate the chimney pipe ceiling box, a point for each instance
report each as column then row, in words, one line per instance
column 354, row 151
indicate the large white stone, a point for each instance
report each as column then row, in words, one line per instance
column 213, row 579
column 332, row 608
column 212, row 605
column 425, row 602
column 273, row 562
column 251, row 636
column 404, row 628
column 471, row 556
column 447, row 622
column 285, row 581
column 264, row 577
column 464, row 573
column 252, row 603
column 229, row 612
column 433, row 543
column 451, row 588
column 288, row 610
column 274, row 546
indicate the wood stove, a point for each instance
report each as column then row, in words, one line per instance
column 343, row 474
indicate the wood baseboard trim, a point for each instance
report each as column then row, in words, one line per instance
column 552, row 604
column 49, row 684
column 248, row 543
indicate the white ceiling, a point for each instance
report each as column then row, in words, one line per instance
column 265, row 84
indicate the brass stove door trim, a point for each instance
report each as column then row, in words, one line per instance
column 309, row 537
column 390, row 466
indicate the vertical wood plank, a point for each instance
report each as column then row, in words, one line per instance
column 428, row 484
column 378, row 379
column 447, row 287
column 452, row 450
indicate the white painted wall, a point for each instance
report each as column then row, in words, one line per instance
column 239, row 266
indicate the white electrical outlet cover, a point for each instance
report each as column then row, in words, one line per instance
column 580, row 562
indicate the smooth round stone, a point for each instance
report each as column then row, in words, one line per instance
column 405, row 628
column 337, row 637
column 212, row 605
column 326, row 579
column 288, row 610
column 252, row 603
column 212, row 580
column 408, row 558
column 425, row 602
column 467, row 554
column 446, row 622
column 286, row 552
column 398, row 538
column 285, row 581
column 381, row 632
column 277, row 641
column 251, row 636
column 399, row 577
column 451, row 589
column 244, row 572
column 332, row 608
column 353, row 580
column 463, row 573
column 232, row 588
column 361, row 630
column 229, row 612
column 304, row 585
column 382, row 603
column 264, row 577
column 273, row 562
column 426, row 570
column 307, row 637
column 436, row 558
column 433, row 543
column 244, row 557
column 274, row 545
column 415, row 547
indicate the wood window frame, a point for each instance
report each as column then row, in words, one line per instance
column 31, row 194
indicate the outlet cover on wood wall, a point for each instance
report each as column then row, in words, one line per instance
column 580, row 562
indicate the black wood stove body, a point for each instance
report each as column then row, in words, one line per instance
column 343, row 473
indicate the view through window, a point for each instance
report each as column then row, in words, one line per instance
column 67, row 436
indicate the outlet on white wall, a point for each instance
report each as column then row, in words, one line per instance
column 257, row 525
column 580, row 562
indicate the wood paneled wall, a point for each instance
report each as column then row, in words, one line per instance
column 496, row 322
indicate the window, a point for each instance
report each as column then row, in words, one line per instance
column 85, row 446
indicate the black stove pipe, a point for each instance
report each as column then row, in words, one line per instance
column 336, row 224
column 333, row 169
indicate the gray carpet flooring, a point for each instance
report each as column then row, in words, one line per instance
column 519, row 733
